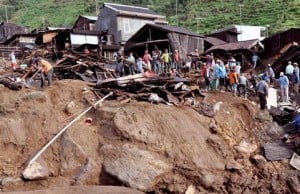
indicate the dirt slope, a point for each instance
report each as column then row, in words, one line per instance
column 148, row 147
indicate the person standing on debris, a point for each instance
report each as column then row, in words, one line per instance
column 156, row 61
column 262, row 90
column 271, row 73
column 139, row 64
column 176, row 60
column 232, row 63
column 221, row 71
column 254, row 60
column 131, row 65
column 289, row 70
column 238, row 68
column 166, row 61
column 295, row 82
column 46, row 70
column 243, row 84
column 13, row 61
column 205, row 75
column 233, row 81
column 296, row 70
column 120, row 65
column 284, row 87
column 195, row 58
column 147, row 59
column 252, row 79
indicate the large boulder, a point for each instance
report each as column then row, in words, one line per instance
column 36, row 170
column 138, row 168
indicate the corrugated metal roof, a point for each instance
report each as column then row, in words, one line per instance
column 176, row 29
column 129, row 8
column 93, row 18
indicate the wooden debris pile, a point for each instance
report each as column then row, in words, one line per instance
column 87, row 67
column 155, row 89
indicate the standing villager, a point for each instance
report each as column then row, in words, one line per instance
column 238, row 68
column 147, row 59
column 205, row 74
column 254, row 60
column 284, row 87
column 296, row 70
column 177, row 60
column 271, row 73
column 13, row 61
column 262, row 90
column 243, row 84
column 195, row 57
column 289, row 69
column 221, row 71
column 232, row 63
column 131, row 65
column 139, row 64
column 166, row 61
column 233, row 81
column 295, row 82
column 120, row 65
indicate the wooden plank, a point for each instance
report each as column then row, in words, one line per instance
column 279, row 151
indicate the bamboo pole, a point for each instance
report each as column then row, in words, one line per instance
column 65, row 128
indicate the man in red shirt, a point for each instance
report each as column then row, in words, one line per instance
column 177, row 60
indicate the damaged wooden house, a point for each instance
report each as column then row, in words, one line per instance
column 160, row 37
column 119, row 22
column 281, row 48
column 242, row 51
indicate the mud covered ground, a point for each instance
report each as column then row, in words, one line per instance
column 152, row 148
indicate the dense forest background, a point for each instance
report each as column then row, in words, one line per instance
column 202, row 16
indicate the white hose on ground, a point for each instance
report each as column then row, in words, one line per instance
column 65, row 128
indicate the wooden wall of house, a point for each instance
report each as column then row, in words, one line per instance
column 185, row 44
column 84, row 24
column 107, row 21
column 275, row 43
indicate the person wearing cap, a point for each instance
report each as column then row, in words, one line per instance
column 262, row 90
column 271, row 73
column 284, row 87
column 289, row 69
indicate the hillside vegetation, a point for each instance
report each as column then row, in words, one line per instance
column 203, row 16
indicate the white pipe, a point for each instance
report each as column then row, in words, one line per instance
column 65, row 128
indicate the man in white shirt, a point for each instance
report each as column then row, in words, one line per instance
column 289, row 70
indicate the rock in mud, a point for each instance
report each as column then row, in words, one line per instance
column 89, row 169
column 259, row 160
column 72, row 155
column 36, row 170
column 70, row 108
column 11, row 183
column 234, row 165
column 138, row 168
column 245, row 147
column 191, row 190
column 207, row 180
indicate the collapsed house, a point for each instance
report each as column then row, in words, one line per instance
column 241, row 51
column 281, row 48
column 157, row 36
